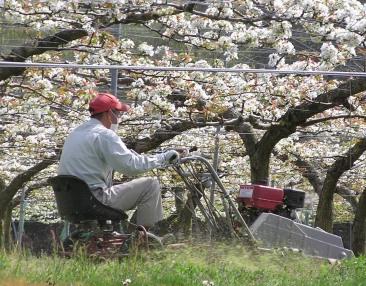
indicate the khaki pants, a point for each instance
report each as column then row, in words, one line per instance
column 143, row 194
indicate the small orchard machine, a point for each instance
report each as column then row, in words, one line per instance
column 255, row 213
column 255, row 199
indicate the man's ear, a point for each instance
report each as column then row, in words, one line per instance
column 108, row 114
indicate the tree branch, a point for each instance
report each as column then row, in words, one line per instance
column 16, row 201
column 43, row 45
column 298, row 115
column 18, row 182
column 315, row 121
column 160, row 135
column 345, row 162
column 324, row 214
column 310, row 172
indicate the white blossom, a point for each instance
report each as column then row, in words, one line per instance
column 329, row 53
column 273, row 59
column 146, row 49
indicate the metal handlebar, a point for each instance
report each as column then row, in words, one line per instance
column 216, row 178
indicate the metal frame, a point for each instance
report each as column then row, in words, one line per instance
column 225, row 195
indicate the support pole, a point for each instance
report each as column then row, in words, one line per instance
column 21, row 217
column 215, row 162
column 15, row 233
column 65, row 233
column 114, row 81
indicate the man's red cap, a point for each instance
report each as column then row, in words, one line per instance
column 104, row 102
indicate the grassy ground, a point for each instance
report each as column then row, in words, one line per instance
column 200, row 265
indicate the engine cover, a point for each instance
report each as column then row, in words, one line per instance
column 260, row 197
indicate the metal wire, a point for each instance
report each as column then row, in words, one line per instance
column 180, row 69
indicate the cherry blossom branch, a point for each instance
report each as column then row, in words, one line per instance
column 20, row 180
column 43, row 45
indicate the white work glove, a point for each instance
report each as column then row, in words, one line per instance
column 171, row 157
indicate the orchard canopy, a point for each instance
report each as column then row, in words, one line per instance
column 308, row 132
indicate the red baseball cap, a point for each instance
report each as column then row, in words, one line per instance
column 104, row 102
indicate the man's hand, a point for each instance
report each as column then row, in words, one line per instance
column 184, row 152
column 171, row 157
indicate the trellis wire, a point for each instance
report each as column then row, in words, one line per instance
column 179, row 69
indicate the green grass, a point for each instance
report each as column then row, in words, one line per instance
column 222, row 264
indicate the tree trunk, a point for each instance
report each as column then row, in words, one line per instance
column 359, row 227
column 7, row 229
column 8, row 192
column 309, row 172
column 179, row 198
column 259, row 155
column 259, row 168
column 184, row 223
column 2, row 213
column 324, row 213
column 1, row 231
column 179, row 222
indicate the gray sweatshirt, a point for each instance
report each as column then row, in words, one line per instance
column 91, row 152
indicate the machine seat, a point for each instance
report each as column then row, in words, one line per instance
column 76, row 203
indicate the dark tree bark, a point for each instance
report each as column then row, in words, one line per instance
column 324, row 214
column 1, row 232
column 7, row 229
column 2, row 215
column 180, row 222
column 160, row 136
column 359, row 227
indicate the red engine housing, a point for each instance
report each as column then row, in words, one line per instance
column 261, row 197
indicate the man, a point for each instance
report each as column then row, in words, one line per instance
column 93, row 151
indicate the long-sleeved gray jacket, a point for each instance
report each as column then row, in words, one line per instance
column 91, row 152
